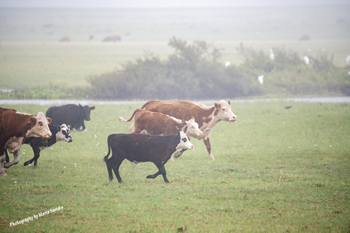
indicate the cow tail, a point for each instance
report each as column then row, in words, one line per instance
column 121, row 119
column 109, row 151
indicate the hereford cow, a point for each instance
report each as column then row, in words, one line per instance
column 70, row 114
column 59, row 133
column 206, row 116
column 65, row 39
column 19, row 126
column 160, row 124
column 143, row 148
column 111, row 39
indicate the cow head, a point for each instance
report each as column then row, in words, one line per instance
column 192, row 129
column 86, row 111
column 223, row 111
column 39, row 126
column 63, row 134
column 184, row 142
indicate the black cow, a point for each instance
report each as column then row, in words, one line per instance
column 59, row 133
column 70, row 114
column 143, row 148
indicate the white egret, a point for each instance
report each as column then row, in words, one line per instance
column 347, row 59
column 227, row 64
column 306, row 60
column 272, row 56
column 261, row 79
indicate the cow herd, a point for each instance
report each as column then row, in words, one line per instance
column 160, row 128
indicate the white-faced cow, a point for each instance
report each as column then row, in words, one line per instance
column 143, row 148
column 160, row 124
column 19, row 126
column 70, row 114
column 206, row 116
column 59, row 133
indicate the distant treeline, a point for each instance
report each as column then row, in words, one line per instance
column 196, row 71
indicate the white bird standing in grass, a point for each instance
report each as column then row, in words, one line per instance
column 227, row 64
column 272, row 56
column 306, row 60
column 261, row 79
column 347, row 59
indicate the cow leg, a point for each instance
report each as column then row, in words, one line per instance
column 83, row 126
column 207, row 144
column 116, row 170
column 130, row 128
column 7, row 160
column 36, row 156
column 161, row 170
column 2, row 161
column 109, row 168
column 36, row 151
column 16, row 157
column 113, row 163
column 177, row 154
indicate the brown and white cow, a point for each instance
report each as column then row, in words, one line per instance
column 206, row 116
column 17, row 127
column 160, row 124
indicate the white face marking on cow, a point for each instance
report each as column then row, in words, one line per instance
column 63, row 134
column 184, row 142
column 193, row 129
column 41, row 127
column 225, row 113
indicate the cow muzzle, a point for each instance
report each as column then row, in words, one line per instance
column 232, row 119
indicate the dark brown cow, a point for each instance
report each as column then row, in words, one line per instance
column 206, row 116
column 17, row 127
column 160, row 124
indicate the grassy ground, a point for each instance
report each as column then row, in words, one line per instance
column 276, row 170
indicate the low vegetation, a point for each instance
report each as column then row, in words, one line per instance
column 276, row 170
column 195, row 71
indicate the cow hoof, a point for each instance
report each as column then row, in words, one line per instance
column 109, row 180
column 212, row 157
column 3, row 174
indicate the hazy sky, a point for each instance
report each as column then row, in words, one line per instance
column 162, row 3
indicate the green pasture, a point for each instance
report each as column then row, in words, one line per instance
column 275, row 170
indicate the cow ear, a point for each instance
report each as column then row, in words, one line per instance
column 92, row 108
column 193, row 118
column 229, row 103
column 32, row 121
column 48, row 120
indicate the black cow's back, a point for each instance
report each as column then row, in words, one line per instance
column 143, row 148
column 69, row 114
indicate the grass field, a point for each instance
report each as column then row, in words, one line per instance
column 276, row 170
column 29, row 47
